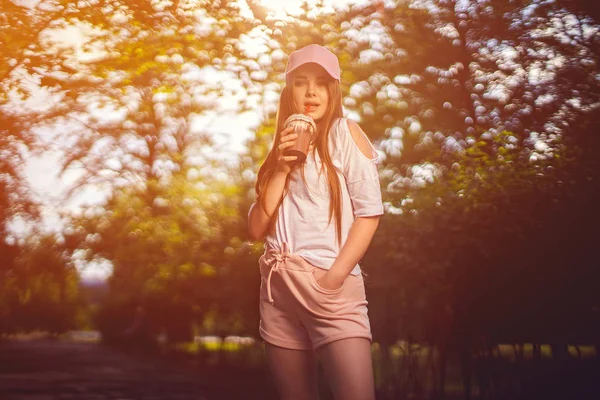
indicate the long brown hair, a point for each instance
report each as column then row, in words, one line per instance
column 284, row 110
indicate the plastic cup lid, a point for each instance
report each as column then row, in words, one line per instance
column 301, row 117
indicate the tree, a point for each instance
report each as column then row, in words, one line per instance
column 40, row 291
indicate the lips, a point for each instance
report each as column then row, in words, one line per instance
column 310, row 106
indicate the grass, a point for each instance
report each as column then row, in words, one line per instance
column 398, row 351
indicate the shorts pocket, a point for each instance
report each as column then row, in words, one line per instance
column 320, row 289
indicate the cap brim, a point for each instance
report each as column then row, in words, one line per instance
column 330, row 73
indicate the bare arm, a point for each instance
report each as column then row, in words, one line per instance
column 259, row 217
column 359, row 238
column 361, row 232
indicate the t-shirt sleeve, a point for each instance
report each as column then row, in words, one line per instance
column 360, row 172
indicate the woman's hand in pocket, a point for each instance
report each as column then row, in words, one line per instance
column 330, row 281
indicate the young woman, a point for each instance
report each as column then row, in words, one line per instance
column 317, row 219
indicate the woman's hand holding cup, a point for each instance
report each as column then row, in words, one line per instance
column 287, row 139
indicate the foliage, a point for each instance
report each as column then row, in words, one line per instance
column 173, row 246
column 41, row 289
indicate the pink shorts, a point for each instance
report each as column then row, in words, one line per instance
column 296, row 313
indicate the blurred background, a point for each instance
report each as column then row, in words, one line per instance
column 131, row 133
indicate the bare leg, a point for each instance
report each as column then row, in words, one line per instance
column 294, row 372
column 349, row 369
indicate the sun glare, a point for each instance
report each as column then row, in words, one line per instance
column 293, row 7
column 279, row 7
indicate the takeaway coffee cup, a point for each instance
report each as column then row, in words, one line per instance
column 305, row 127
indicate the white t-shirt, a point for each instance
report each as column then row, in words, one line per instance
column 303, row 217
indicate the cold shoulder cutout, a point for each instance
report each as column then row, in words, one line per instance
column 361, row 140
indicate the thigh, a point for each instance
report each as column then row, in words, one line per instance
column 294, row 372
column 349, row 369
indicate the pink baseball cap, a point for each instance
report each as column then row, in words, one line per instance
column 313, row 53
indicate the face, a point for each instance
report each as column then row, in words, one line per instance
column 309, row 90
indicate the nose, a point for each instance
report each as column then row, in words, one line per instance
column 311, row 89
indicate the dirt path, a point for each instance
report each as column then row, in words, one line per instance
column 58, row 370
